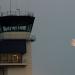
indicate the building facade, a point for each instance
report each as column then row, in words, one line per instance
column 15, row 45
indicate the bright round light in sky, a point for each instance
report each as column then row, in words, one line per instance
column 73, row 42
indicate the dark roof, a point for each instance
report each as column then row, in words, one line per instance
column 26, row 19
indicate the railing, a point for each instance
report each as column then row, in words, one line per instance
column 16, row 13
column 11, row 59
column 13, row 63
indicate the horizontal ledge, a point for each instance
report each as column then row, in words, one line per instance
column 25, row 39
column 13, row 64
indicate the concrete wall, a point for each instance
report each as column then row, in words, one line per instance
column 20, row 70
column 27, row 70
column 15, row 35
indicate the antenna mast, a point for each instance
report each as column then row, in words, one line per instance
column 10, row 7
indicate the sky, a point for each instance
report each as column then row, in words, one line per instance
column 54, row 28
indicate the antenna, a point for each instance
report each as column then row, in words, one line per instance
column 18, row 11
column 0, row 9
column 10, row 7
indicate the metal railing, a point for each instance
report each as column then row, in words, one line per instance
column 16, row 13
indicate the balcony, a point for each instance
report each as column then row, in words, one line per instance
column 12, row 60
column 21, row 64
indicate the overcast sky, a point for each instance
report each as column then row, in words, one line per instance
column 54, row 28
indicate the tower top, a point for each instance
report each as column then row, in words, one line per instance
column 12, row 23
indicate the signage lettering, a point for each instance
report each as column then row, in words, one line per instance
column 14, row 28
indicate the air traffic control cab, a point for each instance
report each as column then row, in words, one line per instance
column 15, row 44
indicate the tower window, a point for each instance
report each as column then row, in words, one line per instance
column 10, row 58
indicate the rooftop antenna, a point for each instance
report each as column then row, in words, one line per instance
column 18, row 11
column 10, row 7
column 0, row 9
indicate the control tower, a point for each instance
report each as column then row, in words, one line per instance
column 15, row 44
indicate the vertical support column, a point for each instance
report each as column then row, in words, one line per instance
column 28, row 58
